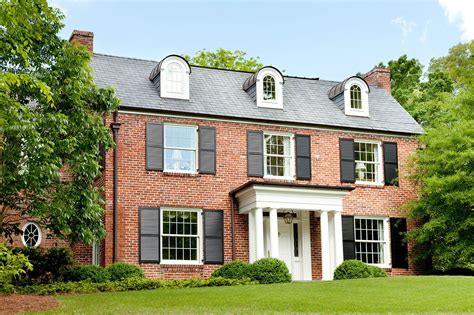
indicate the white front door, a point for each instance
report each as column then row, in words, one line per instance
column 289, row 243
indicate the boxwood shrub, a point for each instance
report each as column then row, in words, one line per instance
column 355, row 269
column 234, row 270
column 121, row 270
column 95, row 274
column 269, row 270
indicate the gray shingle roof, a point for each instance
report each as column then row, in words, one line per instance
column 219, row 93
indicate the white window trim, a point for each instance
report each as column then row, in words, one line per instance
column 200, row 238
column 386, row 235
column 277, row 103
column 164, row 91
column 364, row 111
column 196, row 149
column 292, row 156
column 40, row 234
column 380, row 177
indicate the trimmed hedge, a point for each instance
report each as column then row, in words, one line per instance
column 234, row 270
column 118, row 271
column 265, row 270
column 129, row 284
column 93, row 273
column 355, row 269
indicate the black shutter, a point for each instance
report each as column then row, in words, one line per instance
column 149, row 220
column 348, row 237
column 207, row 150
column 213, row 236
column 154, row 146
column 398, row 228
column 346, row 152
column 303, row 156
column 255, row 153
column 390, row 160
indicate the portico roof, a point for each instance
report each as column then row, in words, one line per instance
column 288, row 196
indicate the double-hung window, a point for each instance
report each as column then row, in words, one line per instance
column 371, row 240
column 367, row 157
column 180, row 235
column 180, row 146
column 278, row 155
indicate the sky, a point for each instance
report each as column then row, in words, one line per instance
column 327, row 39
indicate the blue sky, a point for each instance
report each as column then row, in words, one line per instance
column 326, row 39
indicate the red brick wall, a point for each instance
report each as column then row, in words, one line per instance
column 139, row 187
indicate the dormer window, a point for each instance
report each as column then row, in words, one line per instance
column 269, row 88
column 356, row 97
column 171, row 77
column 265, row 87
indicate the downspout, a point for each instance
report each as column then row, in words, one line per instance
column 115, row 126
column 232, row 225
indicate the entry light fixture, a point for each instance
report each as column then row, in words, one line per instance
column 289, row 217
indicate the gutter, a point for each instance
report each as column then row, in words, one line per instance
column 115, row 126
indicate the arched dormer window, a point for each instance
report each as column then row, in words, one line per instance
column 269, row 88
column 171, row 77
column 356, row 97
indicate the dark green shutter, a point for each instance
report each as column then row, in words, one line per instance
column 207, row 150
column 255, row 153
column 213, row 236
column 303, row 156
column 149, row 225
column 348, row 237
column 154, row 146
column 390, row 160
column 399, row 249
column 346, row 152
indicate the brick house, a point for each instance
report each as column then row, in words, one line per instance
column 215, row 165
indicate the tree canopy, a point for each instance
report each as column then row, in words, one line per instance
column 51, row 125
column 225, row 59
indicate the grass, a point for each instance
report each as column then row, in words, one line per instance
column 428, row 294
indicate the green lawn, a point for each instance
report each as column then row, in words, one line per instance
column 379, row 295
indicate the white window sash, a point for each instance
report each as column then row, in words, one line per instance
column 385, row 243
column 189, row 149
column 377, row 164
column 289, row 156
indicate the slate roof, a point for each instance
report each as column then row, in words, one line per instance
column 217, row 92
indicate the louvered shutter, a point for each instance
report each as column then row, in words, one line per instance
column 348, row 237
column 303, row 156
column 149, row 234
column 207, row 150
column 213, row 236
column 154, row 146
column 399, row 249
column 390, row 160
column 346, row 152
column 255, row 153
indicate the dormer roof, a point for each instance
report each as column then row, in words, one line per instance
column 339, row 88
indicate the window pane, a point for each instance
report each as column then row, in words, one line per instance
column 180, row 160
column 174, row 78
column 278, row 155
column 269, row 88
column 366, row 161
column 369, row 240
column 182, row 137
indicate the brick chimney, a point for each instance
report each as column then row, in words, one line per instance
column 379, row 77
column 83, row 38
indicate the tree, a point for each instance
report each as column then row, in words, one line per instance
column 51, row 125
column 405, row 77
column 225, row 59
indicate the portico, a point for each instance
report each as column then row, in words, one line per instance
column 271, row 236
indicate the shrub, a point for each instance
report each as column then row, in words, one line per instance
column 93, row 273
column 269, row 270
column 355, row 269
column 12, row 265
column 49, row 265
column 234, row 270
column 120, row 270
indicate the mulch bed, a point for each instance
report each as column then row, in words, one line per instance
column 16, row 303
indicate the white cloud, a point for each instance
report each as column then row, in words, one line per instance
column 424, row 33
column 460, row 12
column 405, row 26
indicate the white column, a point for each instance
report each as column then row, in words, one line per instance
column 259, row 233
column 252, row 249
column 274, row 249
column 325, row 258
column 332, row 245
column 338, row 238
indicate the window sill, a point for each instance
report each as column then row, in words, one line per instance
column 370, row 184
column 180, row 174
column 279, row 177
column 180, row 263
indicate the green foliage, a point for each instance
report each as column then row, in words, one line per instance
column 405, row 76
column 50, row 122
column 93, row 273
column 355, row 269
column 269, row 270
column 234, row 270
column 49, row 265
column 120, row 270
column 12, row 266
column 128, row 284
column 225, row 59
